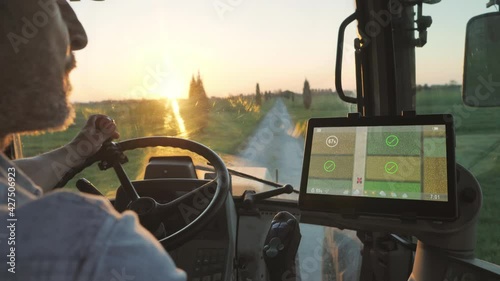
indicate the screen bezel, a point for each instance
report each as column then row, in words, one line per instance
column 407, row 208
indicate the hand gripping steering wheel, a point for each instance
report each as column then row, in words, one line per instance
column 147, row 208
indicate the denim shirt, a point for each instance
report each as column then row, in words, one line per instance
column 64, row 236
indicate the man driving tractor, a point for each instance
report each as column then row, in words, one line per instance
column 59, row 235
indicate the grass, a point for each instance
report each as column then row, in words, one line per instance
column 323, row 105
column 478, row 149
column 231, row 121
column 134, row 119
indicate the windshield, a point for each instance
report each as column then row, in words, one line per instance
column 243, row 77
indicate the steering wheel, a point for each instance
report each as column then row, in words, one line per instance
column 147, row 208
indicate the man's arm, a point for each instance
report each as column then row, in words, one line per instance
column 130, row 252
column 47, row 169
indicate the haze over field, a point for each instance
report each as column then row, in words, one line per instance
column 150, row 48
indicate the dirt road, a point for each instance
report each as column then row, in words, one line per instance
column 272, row 146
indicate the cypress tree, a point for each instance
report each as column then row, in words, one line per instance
column 258, row 96
column 306, row 94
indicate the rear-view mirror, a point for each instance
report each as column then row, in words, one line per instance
column 481, row 84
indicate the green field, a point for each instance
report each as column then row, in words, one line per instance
column 323, row 105
column 231, row 121
column 478, row 149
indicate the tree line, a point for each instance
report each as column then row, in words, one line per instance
column 200, row 104
column 307, row 94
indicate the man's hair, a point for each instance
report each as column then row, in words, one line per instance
column 4, row 13
column 3, row 17
column 4, row 31
column 7, row 25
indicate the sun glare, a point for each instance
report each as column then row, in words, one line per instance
column 178, row 118
column 171, row 91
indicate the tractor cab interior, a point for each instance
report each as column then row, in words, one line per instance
column 394, row 179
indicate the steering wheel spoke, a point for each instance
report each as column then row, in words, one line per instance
column 200, row 196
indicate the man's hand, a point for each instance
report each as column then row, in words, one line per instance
column 98, row 129
column 48, row 169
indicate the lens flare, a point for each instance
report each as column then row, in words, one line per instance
column 174, row 105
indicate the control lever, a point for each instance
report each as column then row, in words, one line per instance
column 86, row 186
column 112, row 156
column 250, row 196
column 280, row 247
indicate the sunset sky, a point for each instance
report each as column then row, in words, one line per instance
column 150, row 48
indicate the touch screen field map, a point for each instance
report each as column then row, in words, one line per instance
column 398, row 162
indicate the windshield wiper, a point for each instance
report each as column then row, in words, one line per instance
column 246, row 176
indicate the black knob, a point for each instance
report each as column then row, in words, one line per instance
column 87, row 187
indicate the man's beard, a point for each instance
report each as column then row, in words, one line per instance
column 34, row 90
column 59, row 113
column 42, row 102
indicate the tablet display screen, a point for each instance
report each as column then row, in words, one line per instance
column 394, row 162
column 385, row 166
